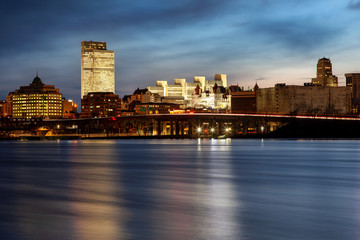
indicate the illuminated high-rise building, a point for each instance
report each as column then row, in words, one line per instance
column 97, row 68
column 36, row 101
column 324, row 76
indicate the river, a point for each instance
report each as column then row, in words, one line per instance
column 180, row 189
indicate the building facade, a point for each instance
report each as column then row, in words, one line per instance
column 243, row 102
column 36, row 101
column 139, row 96
column 312, row 100
column 155, row 108
column 97, row 68
column 100, row 104
column 324, row 75
column 5, row 108
column 353, row 81
column 69, row 108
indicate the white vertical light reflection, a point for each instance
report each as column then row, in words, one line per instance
column 220, row 196
column 94, row 185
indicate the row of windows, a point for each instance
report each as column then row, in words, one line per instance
column 37, row 95
column 37, row 109
column 37, row 102
column 34, row 115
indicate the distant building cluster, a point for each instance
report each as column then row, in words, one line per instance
column 200, row 94
column 320, row 97
column 98, row 98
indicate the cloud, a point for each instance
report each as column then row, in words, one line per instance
column 260, row 79
column 162, row 39
column 354, row 4
column 37, row 23
column 294, row 34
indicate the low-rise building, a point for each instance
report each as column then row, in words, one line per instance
column 100, row 104
column 243, row 101
column 5, row 108
column 308, row 99
column 155, row 108
column 139, row 96
column 69, row 108
column 353, row 81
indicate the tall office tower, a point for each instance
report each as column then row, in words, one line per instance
column 324, row 76
column 97, row 68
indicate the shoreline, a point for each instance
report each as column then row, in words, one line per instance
column 50, row 138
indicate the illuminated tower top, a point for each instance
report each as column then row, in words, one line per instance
column 91, row 45
column 324, row 68
column 324, row 75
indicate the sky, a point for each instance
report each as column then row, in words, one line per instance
column 252, row 41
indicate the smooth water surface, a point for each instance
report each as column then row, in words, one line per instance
column 180, row 189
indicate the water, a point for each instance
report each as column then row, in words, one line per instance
column 180, row 189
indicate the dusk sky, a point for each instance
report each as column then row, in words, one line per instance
column 251, row 41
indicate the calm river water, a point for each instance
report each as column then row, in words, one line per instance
column 180, row 189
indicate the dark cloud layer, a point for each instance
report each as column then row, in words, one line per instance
column 162, row 39
column 35, row 24
column 297, row 35
column 354, row 5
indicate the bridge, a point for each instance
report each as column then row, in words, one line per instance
column 203, row 125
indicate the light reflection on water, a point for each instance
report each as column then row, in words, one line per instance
column 180, row 189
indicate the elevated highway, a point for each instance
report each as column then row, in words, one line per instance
column 190, row 126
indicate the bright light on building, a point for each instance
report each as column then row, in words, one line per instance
column 212, row 130
column 97, row 68
column 199, row 129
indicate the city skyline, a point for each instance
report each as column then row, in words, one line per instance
column 261, row 41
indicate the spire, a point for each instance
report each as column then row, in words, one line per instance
column 256, row 87
column 37, row 80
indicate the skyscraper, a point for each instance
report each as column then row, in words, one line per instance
column 324, row 76
column 97, row 68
